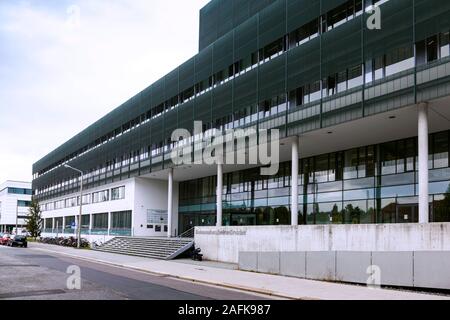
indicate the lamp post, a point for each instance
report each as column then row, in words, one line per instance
column 81, row 204
column 17, row 217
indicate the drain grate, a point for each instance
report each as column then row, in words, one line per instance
column 30, row 293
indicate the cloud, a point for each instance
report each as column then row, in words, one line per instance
column 67, row 63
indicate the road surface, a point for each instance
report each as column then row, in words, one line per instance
column 34, row 275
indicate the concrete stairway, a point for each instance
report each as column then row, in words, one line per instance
column 156, row 248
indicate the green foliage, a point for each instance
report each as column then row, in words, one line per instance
column 34, row 219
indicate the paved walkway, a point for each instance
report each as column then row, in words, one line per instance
column 226, row 275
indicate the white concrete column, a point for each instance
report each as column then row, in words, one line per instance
column 219, row 189
column 294, row 183
column 91, row 222
column 109, row 223
column 170, row 204
column 423, row 164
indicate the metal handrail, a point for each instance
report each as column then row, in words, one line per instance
column 188, row 234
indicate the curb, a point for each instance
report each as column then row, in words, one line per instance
column 194, row 280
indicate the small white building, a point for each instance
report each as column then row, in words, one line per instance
column 133, row 207
column 15, row 200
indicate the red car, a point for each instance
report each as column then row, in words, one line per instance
column 4, row 240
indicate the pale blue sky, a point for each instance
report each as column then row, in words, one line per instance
column 64, row 64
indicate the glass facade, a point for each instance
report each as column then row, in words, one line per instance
column 371, row 184
column 285, row 67
column 19, row 191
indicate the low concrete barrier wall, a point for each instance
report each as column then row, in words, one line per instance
column 224, row 244
column 421, row 269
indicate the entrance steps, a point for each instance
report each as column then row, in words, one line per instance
column 155, row 248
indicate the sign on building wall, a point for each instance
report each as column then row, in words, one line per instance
column 157, row 216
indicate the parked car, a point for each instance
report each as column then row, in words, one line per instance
column 18, row 241
column 4, row 240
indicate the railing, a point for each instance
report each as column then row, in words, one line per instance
column 188, row 234
column 101, row 232
column 120, row 232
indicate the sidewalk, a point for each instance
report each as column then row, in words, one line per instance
column 226, row 275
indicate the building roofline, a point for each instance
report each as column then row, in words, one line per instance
column 15, row 181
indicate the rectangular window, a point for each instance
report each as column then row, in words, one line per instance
column 70, row 202
column 315, row 93
column 121, row 220
column 355, row 77
column 321, row 169
column 440, row 150
column 100, row 221
column 342, row 81
column 69, row 222
column 399, row 60
column 379, row 68
column 388, row 158
column 432, row 49
column 421, row 51
column 444, row 44
column 19, row 191
column 85, row 221
column 100, row 196
column 86, row 199
column 332, row 85
column 369, row 71
column 59, row 204
column 351, row 164
column 59, row 223
column 118, row 193
column 21, row 203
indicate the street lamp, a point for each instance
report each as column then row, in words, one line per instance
column 81, row 203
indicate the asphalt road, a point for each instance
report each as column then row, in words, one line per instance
column 31, row 275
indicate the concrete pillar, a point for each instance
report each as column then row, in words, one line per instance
column 91, row 222
column 219, row 189
column 294, row 183
column 109, row 223
column 170, row 204
column 423, row 164
column 63, row 225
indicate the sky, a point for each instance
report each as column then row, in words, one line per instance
column 65, row 64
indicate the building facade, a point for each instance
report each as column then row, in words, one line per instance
column 15, row 200
column 363, row 116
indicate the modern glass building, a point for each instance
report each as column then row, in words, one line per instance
column 363, row 116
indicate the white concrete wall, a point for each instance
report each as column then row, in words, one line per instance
column 8, row 202
column 151, row 194
column 141, row 194
column 94, row 208
column 224, row 244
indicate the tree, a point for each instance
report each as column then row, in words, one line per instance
column 34, row 219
